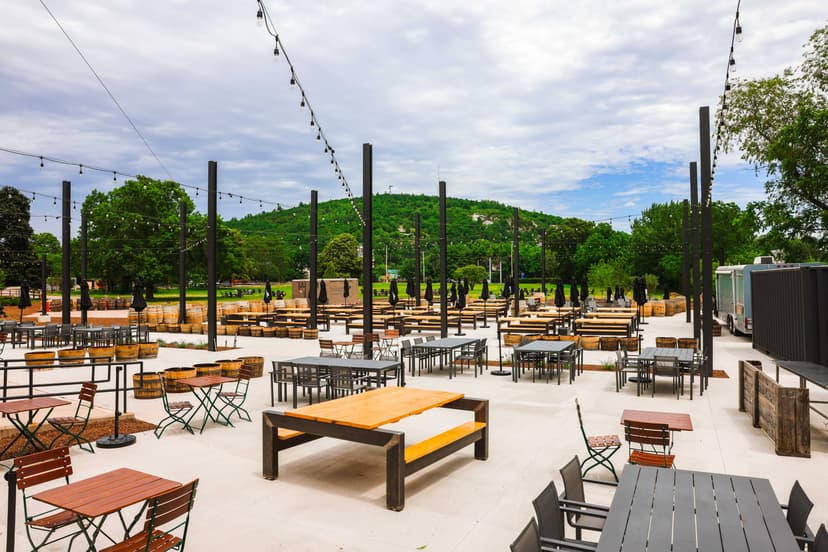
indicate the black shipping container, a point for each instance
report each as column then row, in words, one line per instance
column 790, row 313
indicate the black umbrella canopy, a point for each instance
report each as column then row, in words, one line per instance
column 85, row 299
column 268, row 294
column 573, row 294
column 393, row 293
column 410, row 290
column 584, row 289
column 560, row 296
column 507, row 289
column 323, row 293
column 429, row 291
column 609, row 295
column 346, row 288
column 25, row 296
column 484, row 293
column 453, row 293
column 522, row 293
column 461, row 297
column 138, row 301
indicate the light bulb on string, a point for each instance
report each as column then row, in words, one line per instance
column 276, row 50
column 81, row 169
column 259, row 17
column 738, row 31
column 292, row 78
column 41, row 161
column 114, row 177
column 312, row 123
column 302, row 103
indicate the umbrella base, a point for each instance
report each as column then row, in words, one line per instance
column 115, row 441
column 500, row 372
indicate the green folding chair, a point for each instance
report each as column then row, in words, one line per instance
column 180, row 412
column 600, row 449
column 74, row 426
column 234, row 400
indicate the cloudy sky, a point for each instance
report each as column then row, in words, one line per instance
column 586, row 109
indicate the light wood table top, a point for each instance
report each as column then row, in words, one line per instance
column 376, row 408
column 27, row 405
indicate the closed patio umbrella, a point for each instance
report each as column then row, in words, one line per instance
column 323, row 293
column 484, row 293
column 25, row 298
column 573, row 294
column 462, row 290
column 85, row 300
column 346, row 289
column 138, row 302
column 507, row 288
column 268, row 295
column 393, row 294
column 429, row 292
column 452, row 293
column 560, row 296
column 584, row 289
column 409, row 288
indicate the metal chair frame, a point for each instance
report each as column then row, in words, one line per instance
column 598, row 455
column 74, row 426
column 177, row 412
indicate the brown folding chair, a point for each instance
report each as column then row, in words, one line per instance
column 652, row 436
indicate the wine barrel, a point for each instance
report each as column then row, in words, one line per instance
column 609, row 343
column 148, row 350
column 146, row 385
column 173, row 375
column 244, row 330
column 126, row 352
column 590, row 342
column 255, row 363
column 170, row 315
column 101, row 355
column 268, row 332
column 256, row 331
column 311, row 333
column 39, row 358
column 207, row 369
column 68, row 357
column 295, row 333
column 230, row 368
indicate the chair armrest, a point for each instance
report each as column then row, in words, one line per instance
column 548, row 545
column 587, row 505
column 600, row 482
column 807, row 539
column 583, row 511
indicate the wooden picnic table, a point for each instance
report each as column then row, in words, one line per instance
column 604, row 326
column 359, row 418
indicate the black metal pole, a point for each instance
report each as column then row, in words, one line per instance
column 212, row 187
column 65, row 280
column 543, row 262
column 43, row 285
column 84, row 258
column 694, row 248
column 11, row 509
column 516, row 261
column 417, row 258
column 182, row 263
column 367, row 247
column 443, row 263
column 117, row 440
column 314, row 237
column 685, row 273
column 707, row 238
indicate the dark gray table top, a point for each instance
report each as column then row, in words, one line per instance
column 683, row 355
column 446, row 343
column 811, row 371
column 543, row 346
column 657, row 509
column 359, row 363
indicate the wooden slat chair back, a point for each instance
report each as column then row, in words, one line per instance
column 234, row 400
column 652, row 436
column 74, row 426
column 600, row 448
column 43, row 467
column 177, row 412
column 666, row 342
column 163, row 510
column 326, row 348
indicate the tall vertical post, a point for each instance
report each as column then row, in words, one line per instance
column 685, row 273
column 182, row 263
column 313, row 297
column 707, row 238
column 443, row 263
column 43, row 284
column 417, row 257
column 212, row 219
column 516, row 261
column 367, row 246
column 694, row 249
column 84, row 257
column 543, row 261
column 65, row 280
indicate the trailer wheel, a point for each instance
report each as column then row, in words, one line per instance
column 731, row 327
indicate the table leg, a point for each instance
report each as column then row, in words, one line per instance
column 395, row 473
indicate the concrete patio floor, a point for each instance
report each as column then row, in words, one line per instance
column 331, row 494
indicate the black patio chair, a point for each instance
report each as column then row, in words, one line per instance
column 799, row 508
column 821, row 540
column 550, row 514
column 528, row 540
column 573, row 496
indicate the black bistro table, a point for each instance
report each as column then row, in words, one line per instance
column 444, row 348
column 546, row 348
column 656, row 509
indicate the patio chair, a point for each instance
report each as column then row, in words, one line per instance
column 177, row 412
column 310, row 378
column 668, row 366
column 821, row 540
column 281, row 376
column 65, row 334
column 600, row 448
column 550, row 514
column 35, row 469
column 3, row 338
column 162, row 510
column 234, row 400
column 528, row 540
column 469, row 356
column 652, row 436
column 50, row 335
column 327, row 349
column 74, row 426
column 622, row 368
column 799, row 508
column 688, row 343
column 573, row 496
column 345, row 381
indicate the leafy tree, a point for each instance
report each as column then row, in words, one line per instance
column 474, row 273
column 17, row 259
column 338, row 259
column 47, row 244
column 780, row 124
column 603, row 245
column 562, row 242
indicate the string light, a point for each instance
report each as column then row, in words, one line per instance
column 262, row 15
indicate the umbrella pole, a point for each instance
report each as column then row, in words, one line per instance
column 500, row 371
column 485, row 321
column 459, row 322
column 117, row 440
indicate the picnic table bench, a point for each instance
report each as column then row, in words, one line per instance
column 604, row 326
column 426, row 322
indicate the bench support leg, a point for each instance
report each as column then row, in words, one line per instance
column 395, row 473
